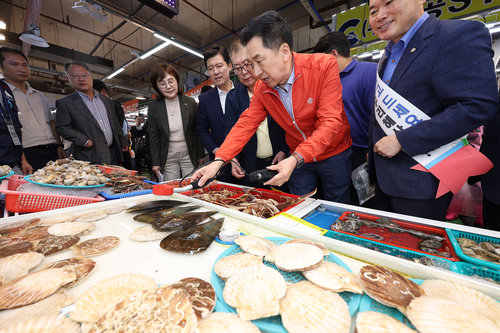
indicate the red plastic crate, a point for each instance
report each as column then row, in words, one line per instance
column 26, row 202
column 402, row 240
column 107, row 169
column 215, row 187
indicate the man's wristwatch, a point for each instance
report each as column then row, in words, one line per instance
column 300, row 160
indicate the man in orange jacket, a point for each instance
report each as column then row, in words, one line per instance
column 302, row 92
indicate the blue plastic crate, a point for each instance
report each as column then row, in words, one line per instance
column 322, row 217
column 465, row 268
column 454, row 234
column 391, row 250
column 124, row 195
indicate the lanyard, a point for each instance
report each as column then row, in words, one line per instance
column 6, row 116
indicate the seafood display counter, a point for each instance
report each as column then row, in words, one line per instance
column 167, row 267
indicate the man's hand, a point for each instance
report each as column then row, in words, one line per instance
column 280, row 156
column 89, row 144
column 26, row 168
column 124, row 148
column 61, row 153
column 155, row 168
column 207, row 172
column 236, row 170
column 285, row 169
column 200, row 161
column 388, row 146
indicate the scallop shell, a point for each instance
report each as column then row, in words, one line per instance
column 48, row 324
column 148, row 233
column 295, row 256
column 56, row 244
column 49, row 306
column 200, row 293
column 221, row 322
column 33, row 234
column 255, row 291
column 70, row 228
column 465, row 296
column 154, row 310
column 48, row 221
column 307, row 308
column 333, row 277
column 83, row 268
column 19, row 226
column 255, row 245
column 21, row 247
column 96, row 301
column 19, row 264
column 91, row 216
column 226, row 266
column 96, row 246
column 376, row 322
column 321, row 246
column 388, row 287
column 437, row 315
column 35, row 286
column 115, row 210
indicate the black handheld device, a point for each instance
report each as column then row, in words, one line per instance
column 262, row 176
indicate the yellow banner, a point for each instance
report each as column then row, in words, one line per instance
column 354, row 22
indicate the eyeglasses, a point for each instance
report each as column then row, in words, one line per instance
column 163, row 84
column 78, row 76
column 239, row 70
column 248, row 66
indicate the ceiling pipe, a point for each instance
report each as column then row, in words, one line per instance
column 210, row 17
column 308, row 5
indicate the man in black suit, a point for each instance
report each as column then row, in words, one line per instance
column 267, row 146
column 88, row 119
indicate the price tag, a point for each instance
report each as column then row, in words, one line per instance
column 13, row 134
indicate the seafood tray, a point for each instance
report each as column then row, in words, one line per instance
column 26, row 202
column 107, row 196
column 371, row 244
column 322, row 217
column 7, row 175
column 478, row 272
column 107, row 169
column 454, row 234
column 28, row 179
column 274, row 324
column 402, row 240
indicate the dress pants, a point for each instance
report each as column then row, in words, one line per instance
column 178, row 165
column 334, row 174
column 38, row 156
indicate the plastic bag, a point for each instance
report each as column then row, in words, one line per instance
column 468, row 202
column 361, row 183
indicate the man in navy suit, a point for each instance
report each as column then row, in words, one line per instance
column 267, row 146
column 445, row 69
column 211, row 107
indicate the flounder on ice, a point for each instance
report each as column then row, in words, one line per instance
column 255, row 291
column 308, row 308
column 255, row 245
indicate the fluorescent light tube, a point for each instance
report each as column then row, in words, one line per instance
column 185, row 48
column 115, row 73
column 494, row 30
column 365, row 55
column 3, row 25
column 154, row 50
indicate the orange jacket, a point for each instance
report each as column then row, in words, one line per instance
column 320, row 128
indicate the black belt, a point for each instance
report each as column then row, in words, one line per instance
column 49, row 146
column 267, row 159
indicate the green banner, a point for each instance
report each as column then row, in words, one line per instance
column 354, row 22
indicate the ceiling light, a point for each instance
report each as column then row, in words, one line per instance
column 3, row 25
column 81, row 7
column 32, row 36
column 365, row 55
column 2, row 37
column 140, row 97
column 494, row 30
column 154, row 50
column 115, row 73
column 185, row 48
column 98, row 15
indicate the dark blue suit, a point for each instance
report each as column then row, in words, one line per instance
column 211, row 128
column 447, row 72
column 237, row 102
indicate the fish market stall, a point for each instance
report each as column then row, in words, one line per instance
column 164, row 267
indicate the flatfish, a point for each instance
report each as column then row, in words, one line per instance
column 153, row 216
column 200, row 293
column 195, row 239
column 151, row 206
column 174, row 222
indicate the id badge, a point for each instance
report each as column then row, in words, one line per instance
column 13, row 134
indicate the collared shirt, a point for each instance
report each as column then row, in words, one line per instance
column 358, row 90
column 395, row 51
column 35, row 116
column 223, row 95
column 286, row 93
column 98, row 110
